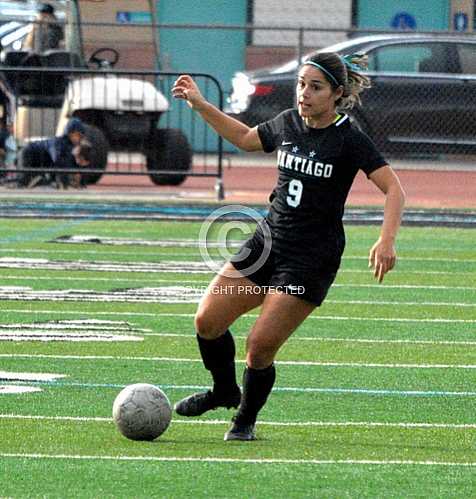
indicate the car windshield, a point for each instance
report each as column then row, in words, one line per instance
column 337, row 47
column 16, row 18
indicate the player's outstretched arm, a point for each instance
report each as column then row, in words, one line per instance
column 382, row 256
column 229, row 128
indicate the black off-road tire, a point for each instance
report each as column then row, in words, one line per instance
column 100, row 152
column 169, row 150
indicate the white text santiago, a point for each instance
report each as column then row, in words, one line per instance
column 288, row 161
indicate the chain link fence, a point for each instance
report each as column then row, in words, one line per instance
column 129, row 121
column 421, row 102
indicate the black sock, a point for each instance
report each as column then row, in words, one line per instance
column 219, row 358
column 257, row 385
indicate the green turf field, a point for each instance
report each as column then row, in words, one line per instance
column 375, row 393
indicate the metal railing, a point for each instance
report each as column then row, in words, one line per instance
column 38, row 107
column 131, row 113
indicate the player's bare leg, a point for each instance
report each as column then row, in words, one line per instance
column 280, row 315
column 226, row 299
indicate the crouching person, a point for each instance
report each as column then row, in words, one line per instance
column 51, row 154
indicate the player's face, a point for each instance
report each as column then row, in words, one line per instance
column 316, row 99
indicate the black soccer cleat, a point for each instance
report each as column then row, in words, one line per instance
column 199, row 403
column 243, row 432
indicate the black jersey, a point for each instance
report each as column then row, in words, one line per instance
column 316, row 171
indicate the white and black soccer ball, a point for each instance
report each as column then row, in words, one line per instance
column 142, row 411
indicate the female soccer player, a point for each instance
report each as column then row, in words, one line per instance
column 319, row 152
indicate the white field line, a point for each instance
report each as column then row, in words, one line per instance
column 13, row 389
column 71, row 327
column 180, row 267
column 176, row 294
column 74, row 331
column 193, row 242
column 339, row 391
column 5, row 329
column 203, row 459
column 199, row 263
column 72, row 338
column 417, row 259
column 128, row 253
column 339, row 340
column 206, row 282
column 405, row 303
column 342, row 318
column 341, row 271
column 413, row 272
column 280, row 362
column 111, row 279
column 106, row 250
column 190, row 315
column 177, row 267
column 190, row 243
column 381, row 287
column 100, row 241
column 11, row 376
column 325, row 424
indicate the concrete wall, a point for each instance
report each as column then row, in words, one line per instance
column 305, row 13
column 267, row 47
column 135, row 44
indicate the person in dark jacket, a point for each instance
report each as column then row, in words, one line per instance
column 52, row 153
column 3, row 139
column 7, row 148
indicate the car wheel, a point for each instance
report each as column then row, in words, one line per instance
column 100, row 150
column 170, row 150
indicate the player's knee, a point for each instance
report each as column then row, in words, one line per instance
column 206, row 326
column 259, row 354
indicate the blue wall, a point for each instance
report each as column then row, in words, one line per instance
column 216, row 52
column 385, row 14
column 219, row 52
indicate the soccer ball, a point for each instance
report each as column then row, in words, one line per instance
column 142, row 411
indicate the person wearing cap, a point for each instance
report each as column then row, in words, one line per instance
column 53, row 153
column 46, row 33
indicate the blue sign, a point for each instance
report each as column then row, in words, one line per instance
column 123, row 17
column 460, row 21
column 404, row 21
column 137, row 17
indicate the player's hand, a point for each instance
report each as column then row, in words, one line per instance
column 382, row 258
column 186, row 88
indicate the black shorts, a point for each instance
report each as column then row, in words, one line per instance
column 280, row 274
